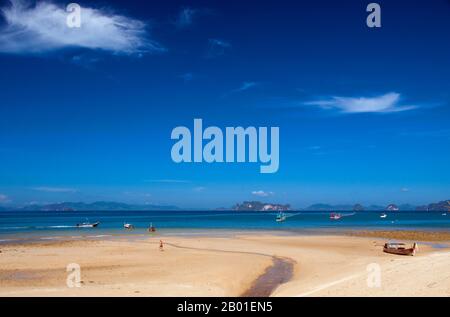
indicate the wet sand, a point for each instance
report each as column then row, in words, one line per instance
column 409, row 235
column 278, row 273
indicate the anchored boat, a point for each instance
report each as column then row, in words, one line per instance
column 128, row 226
column 87, row 224
column 281, row 217
column 151, row 228
column 335, row 216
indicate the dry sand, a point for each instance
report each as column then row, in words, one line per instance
column 201, row 266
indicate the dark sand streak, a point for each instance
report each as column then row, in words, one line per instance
column 280, row 272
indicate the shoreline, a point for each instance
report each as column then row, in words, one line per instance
column 249, row 264
column 396, row 234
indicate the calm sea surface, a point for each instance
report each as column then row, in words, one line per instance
column 19, row 225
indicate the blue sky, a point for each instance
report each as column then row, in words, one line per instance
column 86, row 114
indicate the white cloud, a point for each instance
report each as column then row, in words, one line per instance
column 42, row 28
column 55, row 189
column 404, row 190
column 381, row 104
column 261, row 193
column 199, row 189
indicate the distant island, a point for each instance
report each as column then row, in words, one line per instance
column 443, row 206
column 440, row 206
column 260, row 206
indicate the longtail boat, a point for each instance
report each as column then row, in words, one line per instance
column 335, row 216
column 399, row 249
column 151, row 228
column 87, row 224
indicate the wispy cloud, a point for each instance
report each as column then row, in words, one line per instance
column 4, row 198
column 246, row 86
column 84, row 60
column 42, row 28
column 386, row 103
column 441, row 133
column 199, row 189
column 186, row 17
column 55, row 189
column 187, row 77
column 261, row 193
column 137, row 194
column 168, row 181
column 404, row 190
column 217, row 47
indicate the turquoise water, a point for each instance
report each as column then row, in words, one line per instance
column 19, row 225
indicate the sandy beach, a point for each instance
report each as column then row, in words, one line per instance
column 338, row 265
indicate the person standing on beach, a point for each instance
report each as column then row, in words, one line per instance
column 161, row 245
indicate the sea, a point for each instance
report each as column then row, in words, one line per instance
column 48, row 225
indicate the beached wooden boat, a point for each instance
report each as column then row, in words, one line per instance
column 399, row 249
